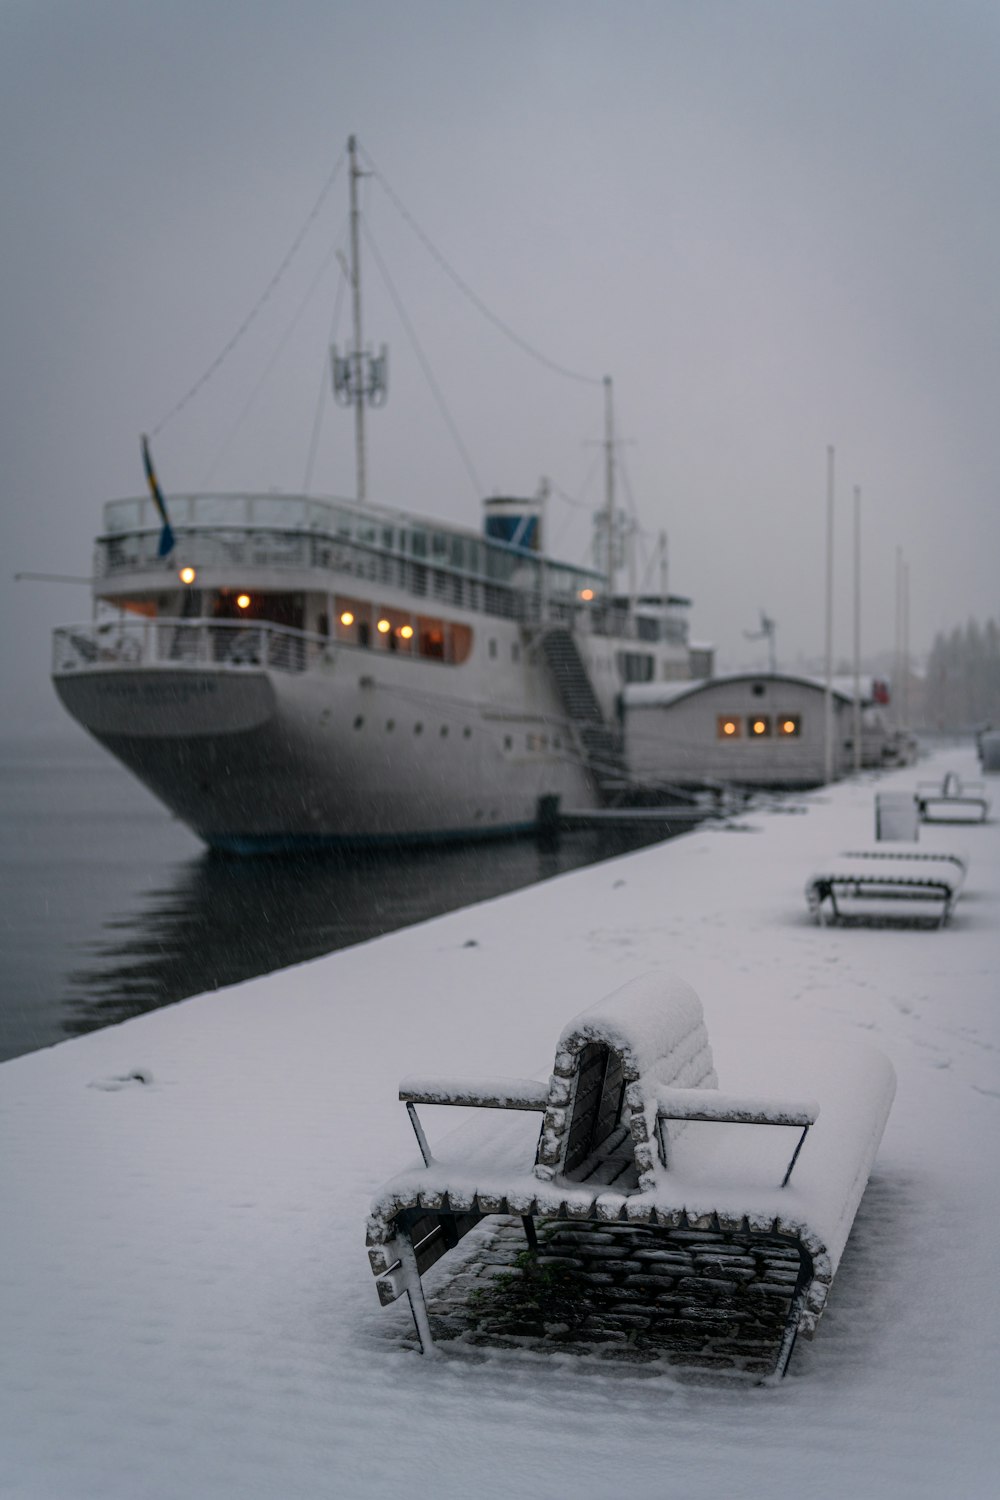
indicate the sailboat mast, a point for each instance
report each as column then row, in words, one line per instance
column 358, row 354
column 609, row 481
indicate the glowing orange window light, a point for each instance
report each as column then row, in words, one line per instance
column 789, row 726
column 759, row 726
column 383, row 627
column 729, row 727
column 347, row 618
column 406, row 631
column 243, row 601
column 587, row 594
column 187, row 575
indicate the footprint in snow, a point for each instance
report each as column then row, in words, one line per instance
column 122, row 1080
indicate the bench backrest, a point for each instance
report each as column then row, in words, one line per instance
column 610, row 1063
column 897, row 816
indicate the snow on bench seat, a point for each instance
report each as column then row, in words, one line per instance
column 887, row 881
column 952, row 800
column 640, row 1146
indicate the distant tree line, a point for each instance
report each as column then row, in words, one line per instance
column 963, row 677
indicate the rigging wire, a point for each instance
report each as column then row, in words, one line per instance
column 276, row 355
column 262, row 299
column 466, row 290
column 576, row 504
column 324, row 373
column 424, row 364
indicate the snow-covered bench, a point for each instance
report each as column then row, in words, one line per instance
column 696, row 1214
column 887, row 881
column 952, row 800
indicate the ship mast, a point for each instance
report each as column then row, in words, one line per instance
column 359, row 405
column 609, row 482
column 359, row 377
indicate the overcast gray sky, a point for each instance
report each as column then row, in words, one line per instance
column 773, row 222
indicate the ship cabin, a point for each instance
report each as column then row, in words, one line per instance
column 763, row 729
column 277, row 580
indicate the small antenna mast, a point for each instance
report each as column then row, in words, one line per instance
column 767, row 632
column 609, row 480
column 359, row 377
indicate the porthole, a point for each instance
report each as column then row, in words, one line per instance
column 508, row 743
column 418, row 729
column 466, row 733
column 444, row 731
column 390, row 725
column 359, row 721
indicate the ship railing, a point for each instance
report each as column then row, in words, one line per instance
column 237, row 644
column 503, row 584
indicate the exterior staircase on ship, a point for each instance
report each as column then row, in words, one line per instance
column 600, row 746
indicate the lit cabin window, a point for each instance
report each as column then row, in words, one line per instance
column 789, row 726
column 383, row 627
column 243, row 601
column 354, row 619
column 760, row 726
column 406, row 631
column 727, row 727
column 187, row 575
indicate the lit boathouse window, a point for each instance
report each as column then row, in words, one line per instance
column 789, row 726
column 760, row 727
column 727, row 727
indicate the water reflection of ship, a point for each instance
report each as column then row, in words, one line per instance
column 225, row 920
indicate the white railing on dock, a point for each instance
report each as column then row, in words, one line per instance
column 236, row 644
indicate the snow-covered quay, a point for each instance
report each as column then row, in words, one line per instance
column 186, row 1302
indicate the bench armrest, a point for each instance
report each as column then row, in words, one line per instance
column 486, row 1093
column 732, row 1109
column 712, row 1104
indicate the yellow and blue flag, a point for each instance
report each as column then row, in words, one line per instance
column 167, row 534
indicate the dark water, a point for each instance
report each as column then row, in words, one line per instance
column 111, row 908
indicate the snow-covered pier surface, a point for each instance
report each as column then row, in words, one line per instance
column 186, row 1302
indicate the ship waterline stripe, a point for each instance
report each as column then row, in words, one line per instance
column 303, row 843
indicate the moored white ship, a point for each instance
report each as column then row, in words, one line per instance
column 299, row 671
column 282, row 670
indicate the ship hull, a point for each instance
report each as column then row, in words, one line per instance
column 257, row 762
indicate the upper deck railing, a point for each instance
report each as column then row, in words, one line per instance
column 294, row 533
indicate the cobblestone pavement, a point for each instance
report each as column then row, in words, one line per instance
column 693, row 1300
